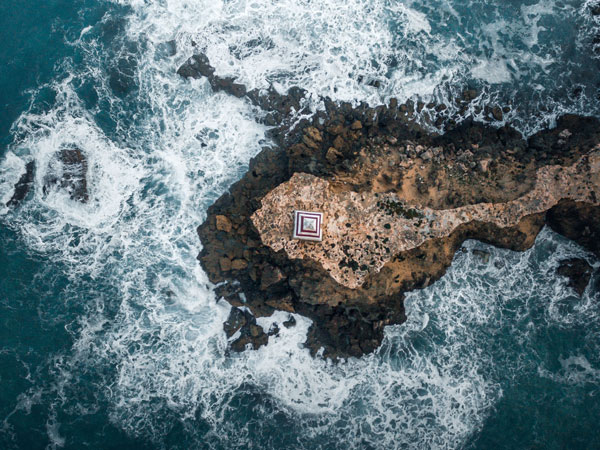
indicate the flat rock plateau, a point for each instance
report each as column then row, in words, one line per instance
column 398, row 202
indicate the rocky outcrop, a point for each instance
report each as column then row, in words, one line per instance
column 393, row 221
column 578, row 273
column 251, row 335
column 23, row 185
column 365, row 230
column 68, row 171
column 398, row 203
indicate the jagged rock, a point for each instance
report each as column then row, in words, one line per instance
column 223, row 223
column 333, row 155
column 273, row 330
column 482, row 255
column 225, row 264
column 497, row 113
column 196, row 67
column 314, row 134
column 356, row 125
column 290, row 322
column 352, row 284
column 235, row 321
column 577, row 271
column 484, row 164
column 564, row 134
column 279, row 106
column 270, row 276
column 426, row 155
column 393, row 221
column 577, row 221
column 250, row 332
column 238, row 264
column 70, row 173
column 23, row 185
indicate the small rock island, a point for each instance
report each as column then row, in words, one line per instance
column 398, row 202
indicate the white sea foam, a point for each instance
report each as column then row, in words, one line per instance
column 339, row 49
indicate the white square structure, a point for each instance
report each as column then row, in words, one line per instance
column 308, row 225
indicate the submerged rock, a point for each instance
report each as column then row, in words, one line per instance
column 70, row 173
column 577, row 271
column 482, row 255
column 250, row 331
column 23, row 185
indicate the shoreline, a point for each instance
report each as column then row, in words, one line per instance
column 401, row 200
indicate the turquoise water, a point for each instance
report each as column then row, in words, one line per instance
column 111, row 333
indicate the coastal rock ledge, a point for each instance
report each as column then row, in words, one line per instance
column 398, row 202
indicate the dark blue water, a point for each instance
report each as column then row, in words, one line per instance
column 111, row 334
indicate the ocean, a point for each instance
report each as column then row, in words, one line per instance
column 110, row 332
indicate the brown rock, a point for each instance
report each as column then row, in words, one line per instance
column 223, row 223
column 270, row 276
column 332, row 155
column 336, row 129
column 236, row 320
column 484, row 164
column 356, row 125
column 239, row 264
column 225, row 264
column 352, row 284
column 256, row 330
column 283, row 304
column 470, row 95
column 310, row 143
column 338, row 143
column 426, row 155
column 577, row 271
column 314, row 134
column 497, row 113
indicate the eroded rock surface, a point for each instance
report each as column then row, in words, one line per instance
column 363, row 231
column 398, row 203
column 69, row 171
column 393, row 219
column 578, row 273
column 23, row 186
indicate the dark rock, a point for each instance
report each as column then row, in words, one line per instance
column 71, row 175
column 23, row 185
column 223, row 223
column 350, row 322
column 278, row 105
column 273, row 330
column 270, row 276
column 470, row 95
column 291, row 322
column 482, row 255
column 497, row 113
column 578, row 222
column 196, row 67
column 250, row 332
column 235, row 321
column 577, row 271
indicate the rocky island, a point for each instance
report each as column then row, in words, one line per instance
column 398, row 201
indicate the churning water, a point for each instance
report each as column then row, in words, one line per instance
column 111, row 334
